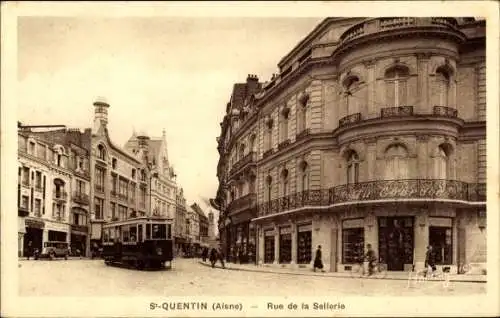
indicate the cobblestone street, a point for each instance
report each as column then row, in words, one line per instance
column 189, row 278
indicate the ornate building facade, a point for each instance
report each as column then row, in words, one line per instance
column 53, row 188
column 181, row 226
column 373, row 132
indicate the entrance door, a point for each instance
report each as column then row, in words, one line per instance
column 333, row 250
column 396, row 242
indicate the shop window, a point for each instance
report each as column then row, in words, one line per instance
column 285, row 246
column 396, row 241
column 440, row 239
column 353, row 241
column 304, row 244
column 269, row 248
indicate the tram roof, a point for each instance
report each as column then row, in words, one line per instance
column 142, row 219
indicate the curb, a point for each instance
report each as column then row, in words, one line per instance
column 332, row 276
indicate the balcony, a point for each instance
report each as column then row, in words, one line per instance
column 282, row 145
column 385, row 25
column 114, row 193
column 99, row 188
column 445, row 111
column 382, row 190
column 25, row 183
column 82, row 173
column 23, row 211
column 81, row 198
column 350, row 119
column 60, row 195
column 245, row 202
column 79, row 228
column 38, row 188
column 267, row 153
column 399, row 111
column 243, row 162
column 303, row 134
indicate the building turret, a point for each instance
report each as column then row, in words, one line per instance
column 100, row 114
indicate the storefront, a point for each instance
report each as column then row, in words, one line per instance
column 242, row 245
column 78, row 241
column 34, row 234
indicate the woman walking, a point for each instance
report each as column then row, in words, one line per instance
column 318, row 263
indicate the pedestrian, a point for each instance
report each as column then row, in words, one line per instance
column 205, row 254
column 29, row 250
column 430, row 260
column 370, row 257
column 318, row 263
column 213, row 257
column 221, row 257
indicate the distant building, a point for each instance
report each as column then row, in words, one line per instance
column 53, row 187
column 203, row 225
column 181, row 227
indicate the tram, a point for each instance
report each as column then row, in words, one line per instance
column 141, row 243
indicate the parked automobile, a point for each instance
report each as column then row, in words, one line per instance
column 53, row 250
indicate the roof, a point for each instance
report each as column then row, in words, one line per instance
column 242, row 91
column 154, row 145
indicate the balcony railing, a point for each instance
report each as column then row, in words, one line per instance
column 350, row 119
column 99, row 188
column 400, row 111
column 284, row 144
column 114, row 193
column 38, row 188
column 23, row 211
column 247, row 201
column 267, row 153
column 81, row 198
column 393, row 23
column 378, row 190
column 445, row 111
column 248, row 158
column 60, row 195
column 303, row 134
column 25, row 183
column 79, row 228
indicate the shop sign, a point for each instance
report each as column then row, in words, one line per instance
column 353, row 223
column 79, row 228
column 441, row 222
column 270, row 232
column 35, row 224
column 286, row 230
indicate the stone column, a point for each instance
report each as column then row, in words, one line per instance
column 423, row 159
column 421, row 237
column 371, row 229
column 276, row 244
column 371, row 158
column 294, row 243
column 45, row 236
column 371, row 111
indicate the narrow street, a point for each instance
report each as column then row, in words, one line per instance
column 189, row 278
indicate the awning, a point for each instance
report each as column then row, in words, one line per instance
column 214, row 204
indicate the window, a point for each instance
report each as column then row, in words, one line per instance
column 268, row 137
column 38, row 180
column 133, row 234
column 113, row 163
column 80, row 187
column 32, row 148
column 440, row 238
column 441, row 163
column 352, row 167
column 38, row 205
column 242, row 151
column 285, row 245
column 76, row 217
column 26, row 176
column 269, row 185
column 99, row 179
column 122, row 212
column 159, row 231
column 123, row 188
column 304, row 244
column 443, row 85
column 269, row 246
column 351, row 86
column 113, row 210
column 284, row 182
column 99, row 206
column 284, row 123
column 396, row 85
column 302, row 117
column 253, row 144
column 396, row 162
column 101, row 153
column 42, row 152
column 304, row 176
column 133, row 173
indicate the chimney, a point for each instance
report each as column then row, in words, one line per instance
column 100, row 114
column 251, row 78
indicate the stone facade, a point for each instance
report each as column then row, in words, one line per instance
column 373, row 133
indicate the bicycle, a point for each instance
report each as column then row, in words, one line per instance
column 360, row 270
column 426, row 275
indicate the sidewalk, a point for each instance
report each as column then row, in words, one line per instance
column 70, row 258
column 309, row 272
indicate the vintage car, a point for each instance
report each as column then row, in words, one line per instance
column 52, row 250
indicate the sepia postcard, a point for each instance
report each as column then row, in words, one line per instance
column 222, row 159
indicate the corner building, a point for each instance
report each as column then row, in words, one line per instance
column 373, row 132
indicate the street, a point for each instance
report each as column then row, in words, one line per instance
column 189, row 278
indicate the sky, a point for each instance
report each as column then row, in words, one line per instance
column 172, row 73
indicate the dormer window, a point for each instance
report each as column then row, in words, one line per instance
column 101, row 152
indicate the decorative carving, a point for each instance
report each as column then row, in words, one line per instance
column 422, row 138
column 424, row 56
column 369, row 62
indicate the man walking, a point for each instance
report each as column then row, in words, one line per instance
column 29, row 250
column 430, row 260
column 318, row 263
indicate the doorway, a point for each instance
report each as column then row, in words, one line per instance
column 395, row 242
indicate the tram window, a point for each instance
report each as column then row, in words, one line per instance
column 125, row 235
column 148, row 231
column 139, row 233
column 159, row 231
column 169, row 231
column 106, row 235
column 112, row 234
column 133, row 234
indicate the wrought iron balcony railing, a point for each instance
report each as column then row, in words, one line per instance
column 284, row 144
column 445, row 111
column 81, row 198
column 99, row 188
column 350, row 119
column 247, row 159
column 399, row 111
column 79, row 228
column 60, row 195
column 247, row 201
column 378, row 190
column 267, row 153
column 303, row 134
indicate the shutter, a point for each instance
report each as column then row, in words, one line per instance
column 389, row 93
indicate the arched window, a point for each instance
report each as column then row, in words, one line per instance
column 351, row 86
column 253, row 144
column 396, row 167
column 304, row 176
column 284, row 182
column 101, row 152
column 443, row 85
column 302, row 116
column 352, row 167
column 442, row 162
column 268, row 138
column 242, row 151
column 396, row 85
column 269, row 188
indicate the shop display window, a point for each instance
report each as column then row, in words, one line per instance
column 285, row 247
column 352, row 245
column 269, row 249
column 304, row 247
column 441, row 240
